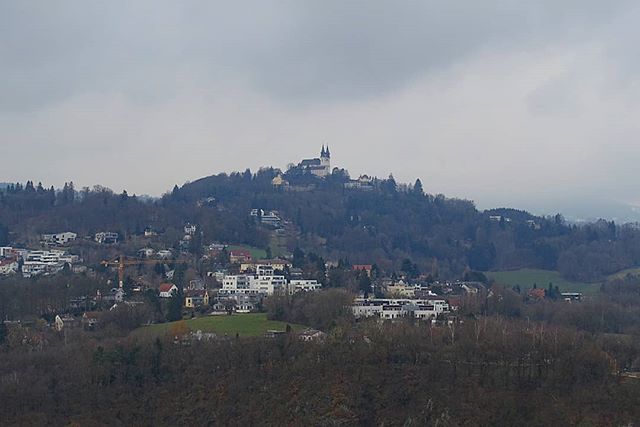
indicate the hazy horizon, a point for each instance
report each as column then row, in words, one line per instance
column 514, row 104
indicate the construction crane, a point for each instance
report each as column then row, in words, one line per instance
column 122, row 262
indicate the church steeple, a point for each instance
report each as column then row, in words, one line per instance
column 325, row 152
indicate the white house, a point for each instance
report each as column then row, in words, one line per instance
column 145, row 252
column 46, row 262
column 267, row 218
column 59, row 238
column 106, row 237
column 164, row 254
column 249, row 284
column 166, row 290
column 296, row 286
column 398, row 308
column 8, row 266
column 268, row 284
column 34, row 268
column 363, row 183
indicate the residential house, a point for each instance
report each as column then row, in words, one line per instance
column 190, row 229
column 363, row 267
column 299, row 285
column 401, row 289
column 312, row 335
column 145, row 252
column 275, row 264
column 106, row 237
column 216, row 247
column 150, row 232
column 90, row 319
column 59, row 238
column 196, row 284
column 8, row 266
column 279, row 181
column 364, row 183
column 166, row 290
column 389, row 308
column 115, row 295
column 64, row 321
column 249, row 284
column 536, row 293
column 270, row 218
column 46, row 262
column 164, row 254
column 571, row 296
column 196, row 298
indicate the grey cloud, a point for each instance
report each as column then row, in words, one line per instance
column 295, row 51
column 506, row 101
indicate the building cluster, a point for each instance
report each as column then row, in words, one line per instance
column 58, row 239
column 265, row 281
column 268, row 218
column 34, row 262
column 364, row 182
column 106, row 237
column 392, row 308
column 320, row 167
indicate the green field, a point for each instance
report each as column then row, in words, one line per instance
column 256, row 253
column 527, row 277
column 245, row 325
column 624, row 273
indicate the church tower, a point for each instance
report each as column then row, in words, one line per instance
column 325, row 159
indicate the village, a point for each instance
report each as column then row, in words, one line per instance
column 188, row 277
column 238, row 285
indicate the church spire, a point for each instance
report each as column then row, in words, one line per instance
column 327, row 151
column 322, row 151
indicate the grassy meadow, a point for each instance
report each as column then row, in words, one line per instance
column 245, row 325
column 527, row 277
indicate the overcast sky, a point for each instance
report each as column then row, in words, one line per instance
column 509, row 103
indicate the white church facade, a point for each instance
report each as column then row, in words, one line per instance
column 320, row 167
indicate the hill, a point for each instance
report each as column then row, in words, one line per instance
column 385, row 223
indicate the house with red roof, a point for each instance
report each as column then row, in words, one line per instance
column 166, row 290
column 536, row 293
column 363, row 267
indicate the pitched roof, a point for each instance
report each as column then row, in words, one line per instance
column 7, row 261
column 536, row 293
column 195, row 293
column 310, row 162
column 166, row 287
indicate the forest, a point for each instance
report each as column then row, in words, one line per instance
column 385, row 226
column 503, row 360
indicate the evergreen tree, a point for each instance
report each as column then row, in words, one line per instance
column 174, row 306
column 417, row 187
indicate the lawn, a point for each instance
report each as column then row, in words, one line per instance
column 624, row 273
column 527, row 277
column 245, row 325
column 256, row 253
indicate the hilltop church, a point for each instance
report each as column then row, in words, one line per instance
column 320, row 167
